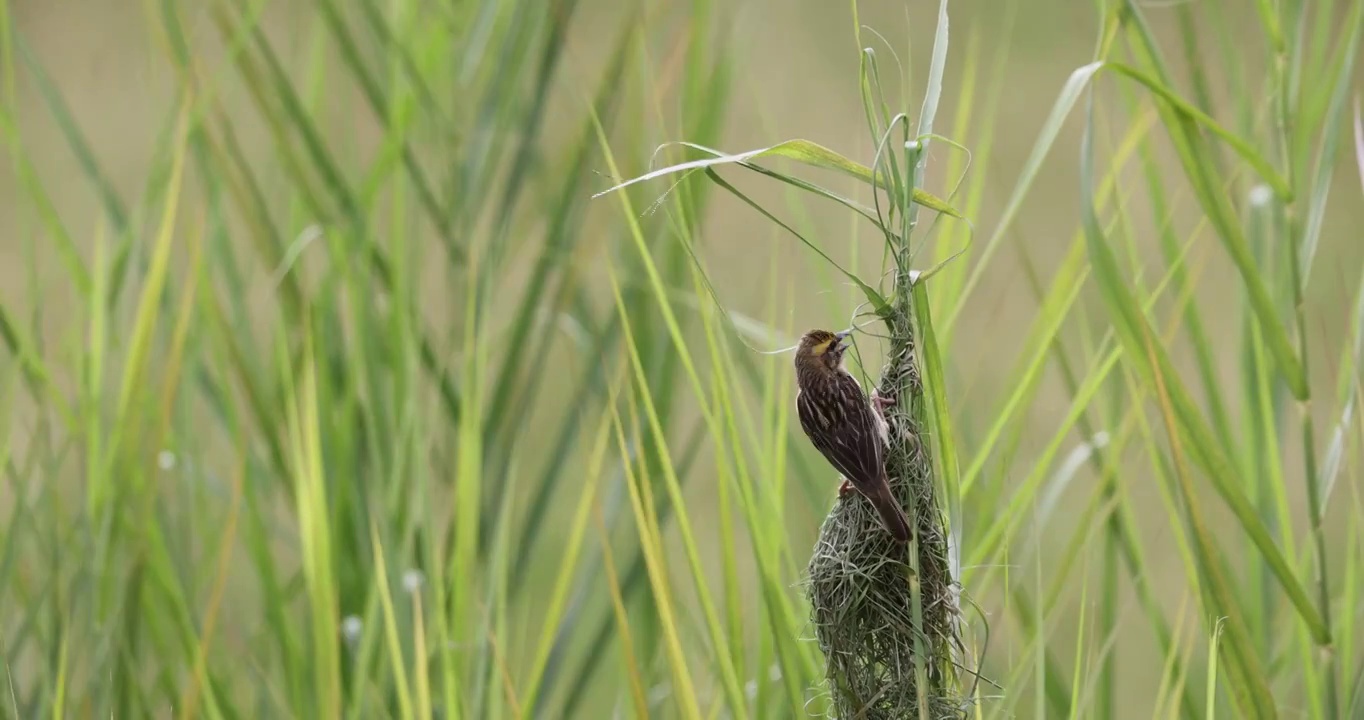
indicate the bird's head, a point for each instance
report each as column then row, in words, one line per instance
column 821, row 350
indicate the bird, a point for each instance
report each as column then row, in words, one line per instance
column 843, row 425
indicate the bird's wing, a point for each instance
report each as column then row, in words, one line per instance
column 844, row 431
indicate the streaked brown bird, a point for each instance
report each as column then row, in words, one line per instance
column 842, row 424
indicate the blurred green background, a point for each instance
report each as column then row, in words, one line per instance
column 305, row 300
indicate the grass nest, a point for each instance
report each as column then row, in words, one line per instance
column 886, row 615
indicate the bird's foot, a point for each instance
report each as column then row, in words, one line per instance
column 845, row 489
column 880, row 402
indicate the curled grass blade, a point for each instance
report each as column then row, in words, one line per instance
column 802, row 151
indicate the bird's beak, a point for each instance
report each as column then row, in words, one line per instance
column 843, row 339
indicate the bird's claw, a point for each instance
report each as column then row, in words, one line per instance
column 881, row 402
column 845, row 489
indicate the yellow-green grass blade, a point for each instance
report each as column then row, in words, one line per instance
column 719, row 645
column 59, row 699
column 1195, row 576
column 1210, row 708
column 982, row 141
column 1328, row 151
column 257, row 400
column 1101, row 505
column 23, row 348
column 223, row 159
column 1128, row 321
column 918, row 151
column 1001, row 530
column 622, row 619
column 1251, row 687
column 650, row 543
column 1080, row 648
column 718, row 648
column 569, row 563
column 1123, row 526
column 171, row 374
column 1203, row 445
column 1349, row 387
column 866, row 212
column 468, row 485
column 1031, row 620
column 1055, row 308
column 274, row 80
column 1162, row 213
column 940, row 422
column 383, row 109
column 176, row 625
column 1170, row 675
column 285, row 109
column 634, row 582
column 496, row 690
column 311, row 504
column 591, row 388
column 148, row 313
column 396, row 662
column 1200, row 68
column 1051, row 130
column 998, row 533
column 1324, row 682
column 1195, row 157
column 764, row 520
column 1191, row 114
column 733, row 609
column 527, row 354
column 1178, row 115
column 879, row 120
column 1351, row 596
column 225, row 550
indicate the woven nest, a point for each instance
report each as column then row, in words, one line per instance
column 861, row 585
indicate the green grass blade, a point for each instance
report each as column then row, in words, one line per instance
column 802, row 151
column 1051, row 130
column 878, row 303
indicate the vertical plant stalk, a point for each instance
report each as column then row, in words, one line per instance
column 910, row 465
column 886, row 615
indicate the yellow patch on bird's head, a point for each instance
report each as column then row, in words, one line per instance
column 822, row 344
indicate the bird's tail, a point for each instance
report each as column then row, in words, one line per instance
column 892, row 515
